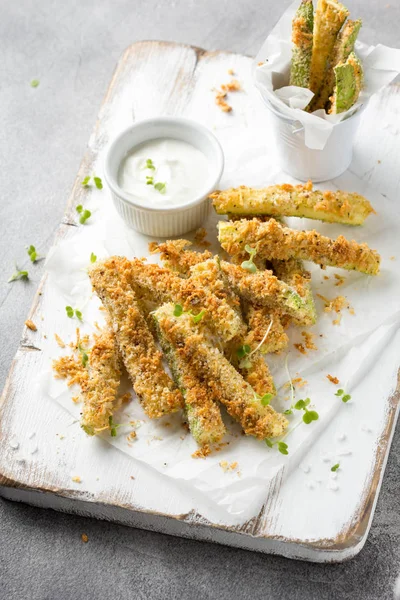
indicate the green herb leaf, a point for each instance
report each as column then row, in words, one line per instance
column 85, row 216
column 288, row 412
column 283, row 448
column 307, row 401
column 266, row 399
column 70, row 311
column 300, row 405
column 160, row 187
column 251, row 251
column 150, row 164
column 79, row 208
column 85, row 359
column 18, row 275
column 346, row 398
column 178, row 310
column 335, row 467
column 269, row 443
column 249, row 266
column 113, row 428
column 243, row 350
column 339, row 393
column 198, row 318
column 32, row 253
column 98, row 183
column 149, row 180
column 245, row 363
column 309, row 416
column 93, row 258
column 35, row 83
column 86, row 181
column 78, row 314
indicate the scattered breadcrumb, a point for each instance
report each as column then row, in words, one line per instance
column 231, row 72
column 125, row 398
column 59, row 341
column 326, row 277
column 392, row 258
column 379, row 162
column 132, row 477
column 76, row 399
column 220, row 95
column 84, row 538
column 225, row 466
column 131, row 436
column 308, row 340
column 332, row 379
column 232, row 86
column 200, row 238
column 202, row 452
column 336, row 305
column 300, row 348
column 76, row 479
column 71, row 369
column 31, row 325
column 260, row 64
column 221, row 102
column 153, row 247
column 340, row 280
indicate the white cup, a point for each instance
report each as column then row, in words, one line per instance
column 304, row 163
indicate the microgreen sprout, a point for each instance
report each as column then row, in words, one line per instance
column 32, row 253
column 85, row 214
column 113, row 427
column 197, row 318
column 265, row 399
column 149, row 180
column 335, row 467
column 93, row 258
column 84, row 355
column 150, row 164
column 96, row 180
column 160, row 187
column 308, row 416
column 249, row 264
column 345, row 397
column 98, row 183
column 290, row 381
column 71, row 312
column 18, row 275
column 35, row 83
column 282, row 447
column 244, row 352
column 178, row 310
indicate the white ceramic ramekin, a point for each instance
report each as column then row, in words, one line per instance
column 304, row 163
column 174, row 220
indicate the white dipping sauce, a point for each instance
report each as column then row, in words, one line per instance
column 179, row 165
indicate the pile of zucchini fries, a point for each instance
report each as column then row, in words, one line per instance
column 215, row 320
column 323, row 57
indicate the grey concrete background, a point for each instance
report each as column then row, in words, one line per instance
column 72, row 47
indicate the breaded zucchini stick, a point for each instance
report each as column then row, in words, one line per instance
column 258, row 319
column 294, row 274
column 344, row 46
column 143, row 361
column 100, row 392
column 176, row 256
column 225, row 382
column 349, row 81
column 328, row 20
column 302, row 38
column 294, row 201
column 276, row 242
column 263, row 288
column 203, row 414
column 160, row 285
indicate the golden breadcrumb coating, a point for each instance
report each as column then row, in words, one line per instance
column 225, row 382
column 155, row 389
column 100, row 392
column 176, row 256
column 293, row 273
column 294, row 201
column 160, row 285
column 259, row 319
column 203, row 414
column 273, row 241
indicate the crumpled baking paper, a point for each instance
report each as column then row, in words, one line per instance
column 381, row 66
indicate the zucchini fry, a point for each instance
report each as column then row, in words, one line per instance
column 227, row 385
column 160, row 285
column 203, row 414
column 100, row 392
column 263, row 288
column 276, row 242
column 329, row 18
column 294, row 274
column 294, row 201
column 349, row 81
column 143, row 361
column 302, row 38
column 344, row 46
column 176, row 256
column 258, row 319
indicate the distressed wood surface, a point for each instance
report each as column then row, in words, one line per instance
column 44, row 475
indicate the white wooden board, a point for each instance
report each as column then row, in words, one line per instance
column 41, row 448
